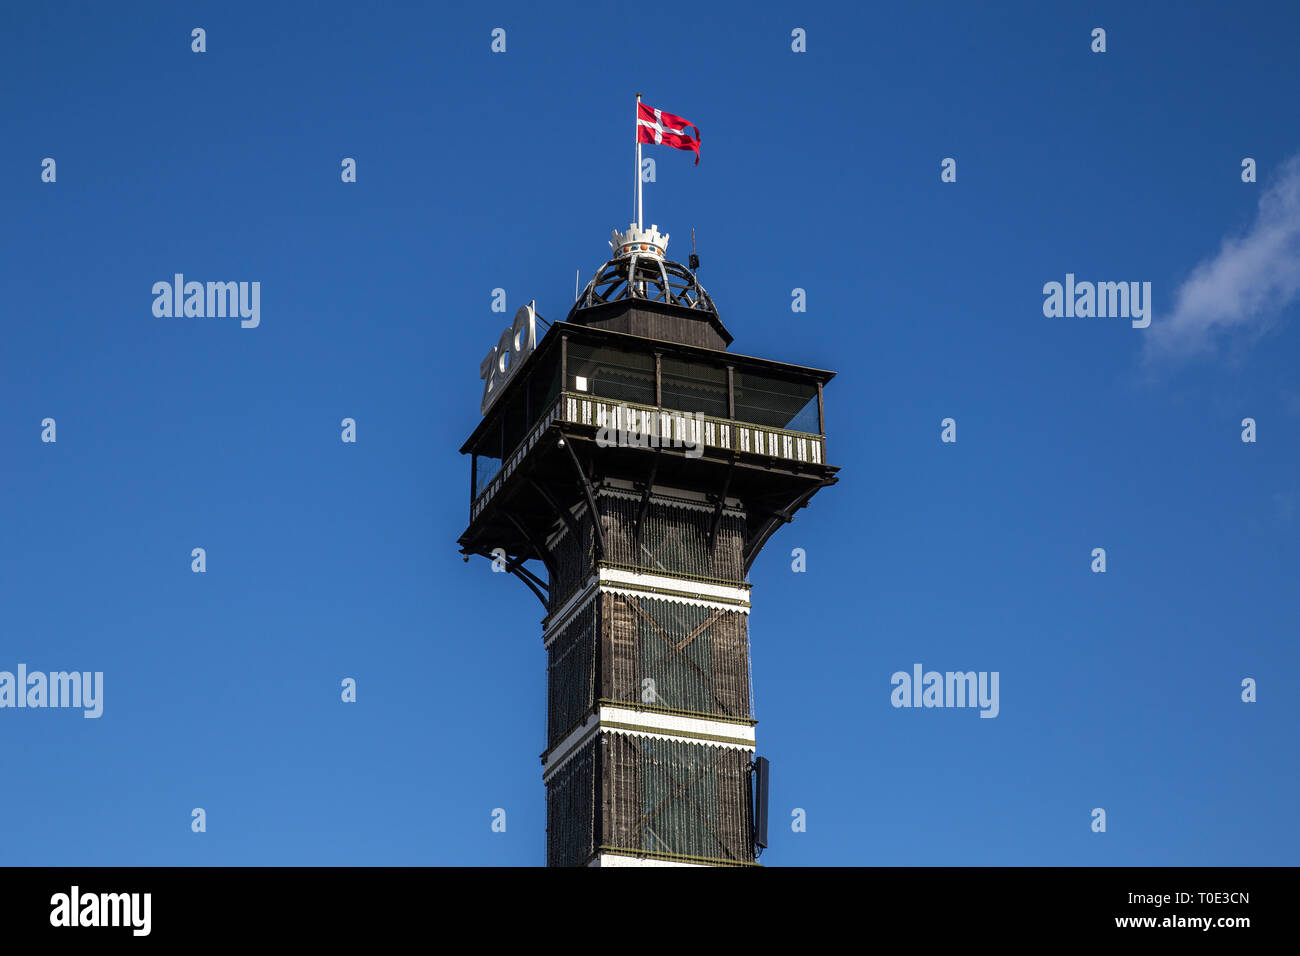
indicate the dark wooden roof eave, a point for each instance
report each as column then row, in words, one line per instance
column 713, row 355
column 615, row 306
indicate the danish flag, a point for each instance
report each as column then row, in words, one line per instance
column 665, row 129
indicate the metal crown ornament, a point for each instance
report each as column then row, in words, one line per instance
column 639, row 241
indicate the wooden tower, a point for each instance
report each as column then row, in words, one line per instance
column 641, row 467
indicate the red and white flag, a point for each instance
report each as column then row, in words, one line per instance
column 665, row 129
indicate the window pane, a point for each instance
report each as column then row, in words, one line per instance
column 485, row 470
column 694, row 387
column 543, row 386
column 776, row 402
column 612, row 373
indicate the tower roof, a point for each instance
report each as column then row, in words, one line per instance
column 641, row 276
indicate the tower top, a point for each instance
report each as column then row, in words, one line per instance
column 639, row 278
column 635, row 240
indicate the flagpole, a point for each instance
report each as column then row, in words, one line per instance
column 637, row 128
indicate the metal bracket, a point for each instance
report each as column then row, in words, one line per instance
column 561, row 513
column 523, row 574
column 756, row 541
column 645, row 496
column 590, row 495
column 721, row 503
column 539, row 549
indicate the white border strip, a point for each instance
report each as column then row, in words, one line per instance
column 674, row 598
column 648, row 724
column 640, row 579
column 665, row 724
column 569, row 746
column 618, row 859
column 722, row 597
column 557, row 621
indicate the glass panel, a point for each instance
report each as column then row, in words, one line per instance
column 611, row 373
column 515, row 423
column 694, row 387
column 487, row 469
column 543, row 387
column 776, row 402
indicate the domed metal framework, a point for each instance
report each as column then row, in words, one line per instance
column 648, row 277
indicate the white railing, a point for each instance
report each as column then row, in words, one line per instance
column 664, row 424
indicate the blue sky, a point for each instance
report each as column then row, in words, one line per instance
column 819, row 170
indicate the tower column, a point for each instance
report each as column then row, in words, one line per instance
column 644, row 467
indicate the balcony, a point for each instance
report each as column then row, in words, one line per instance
column 651, row 394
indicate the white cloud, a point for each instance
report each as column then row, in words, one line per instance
column 1243, row 288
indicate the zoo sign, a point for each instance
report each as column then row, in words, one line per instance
column 503, row 361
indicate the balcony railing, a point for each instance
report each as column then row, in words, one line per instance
column 666, row 427
column 660, row 427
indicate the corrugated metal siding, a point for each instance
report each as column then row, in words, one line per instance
column 574, row 563
column 674, row 539
column 571, row 674
column 676, row 798
column 572, row 807
column 697, row 657
column 649, row 794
